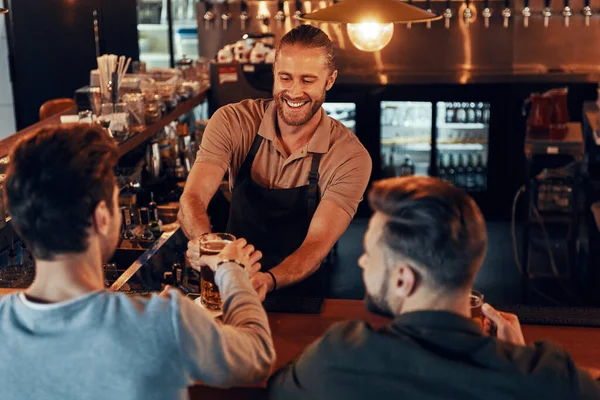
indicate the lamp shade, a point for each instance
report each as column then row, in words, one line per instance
column 3, row 10
column 374, row 11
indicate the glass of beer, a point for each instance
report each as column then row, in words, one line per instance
column 211, row 244
column 476, row 304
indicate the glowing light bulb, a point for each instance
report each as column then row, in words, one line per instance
column 370, row 36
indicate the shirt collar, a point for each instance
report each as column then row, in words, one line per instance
column 437, row 320
column 318, row 143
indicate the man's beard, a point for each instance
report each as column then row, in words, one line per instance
column 377, row 303
column 315, row 106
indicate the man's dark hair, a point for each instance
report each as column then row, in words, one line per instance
column 309, row 37
column 56, row 177
column 435, row 224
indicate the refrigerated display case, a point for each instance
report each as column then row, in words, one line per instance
column 462, row 144
column 405, row 138
column 154, row 25
column 343, row 112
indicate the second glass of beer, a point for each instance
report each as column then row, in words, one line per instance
column 211, row 244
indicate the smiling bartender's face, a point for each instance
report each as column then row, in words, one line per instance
column 302, row 78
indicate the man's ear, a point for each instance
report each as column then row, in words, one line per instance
column 331, row 80
column 101, row 218
column 404, row 280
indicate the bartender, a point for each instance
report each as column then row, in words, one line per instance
column 296, row 175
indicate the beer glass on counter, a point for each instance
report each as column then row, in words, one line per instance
column 476, row 305
column 211, row 244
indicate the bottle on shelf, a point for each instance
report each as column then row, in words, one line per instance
column 479, row 113
column 408, row 167
column 470, row 174
column 461, row 113
column 461, row 178
column 486, row 113
column 450, row 170
column 441, row 172
column 153, row 210
column 389, row 169
column 471, row 113
column 449, row 112
column 480, row 173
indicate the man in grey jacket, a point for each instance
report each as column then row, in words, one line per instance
column 66, row 336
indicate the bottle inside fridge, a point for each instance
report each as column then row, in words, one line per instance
column 462, row 143
column 343, row 112
column 405, row 138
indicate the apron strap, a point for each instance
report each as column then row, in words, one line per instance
column 313, row 185
column 246, row 167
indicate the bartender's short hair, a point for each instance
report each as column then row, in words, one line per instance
column 309, row 37
column 434, row 224
column 55, row 179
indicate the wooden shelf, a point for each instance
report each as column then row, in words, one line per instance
column 153, row 129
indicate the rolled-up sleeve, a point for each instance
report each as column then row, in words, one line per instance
column 349, row 182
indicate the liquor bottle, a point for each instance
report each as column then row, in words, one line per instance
column 441, row 168
column 408, row 167
column 470, row 174
column 461, row 113
column 450, row 170
column 153, row 209
column 480, row 173
column 461, row 178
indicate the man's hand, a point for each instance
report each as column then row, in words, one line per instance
column 263, row 284
column 508, row 327
column 238, row 250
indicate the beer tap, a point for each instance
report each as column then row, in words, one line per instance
column 547, row 13
column 226, row 16
column 244, row 17
column 587, row 12
column 526, row 13
column 298, row 13
column 208, row 15
column 280, row 16
column 487, row 13
column 506, row 13
column 428, row 7
column 567, row 13
column 409, row 25
column 467, row 14
column 447, row 14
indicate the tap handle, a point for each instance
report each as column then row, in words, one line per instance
column 244, row 6
column 547, row 3
column 298, row 5
column 280, row 5
column 208, row 5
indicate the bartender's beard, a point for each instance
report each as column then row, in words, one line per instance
column 297, row 118
column 377, row 303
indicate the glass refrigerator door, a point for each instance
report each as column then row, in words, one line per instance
column 343, row 112
column 462, row 144
column 153, row 29
column 405, row 138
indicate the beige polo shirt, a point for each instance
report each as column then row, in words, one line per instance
column 345, row 165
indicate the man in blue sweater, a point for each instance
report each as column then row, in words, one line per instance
column 66, row 336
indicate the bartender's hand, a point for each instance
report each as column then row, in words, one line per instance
column 263, row 284
column 238, row 250
column 507, row 325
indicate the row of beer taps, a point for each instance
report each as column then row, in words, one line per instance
column 507, row 12
column 244, row 17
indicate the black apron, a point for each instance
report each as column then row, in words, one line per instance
column 275, row 221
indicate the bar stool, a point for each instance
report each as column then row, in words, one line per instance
column 54, row 106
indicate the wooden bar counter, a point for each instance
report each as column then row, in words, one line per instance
column 293, row 332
